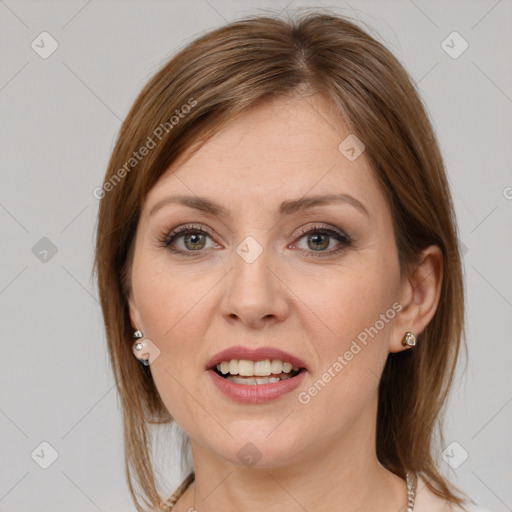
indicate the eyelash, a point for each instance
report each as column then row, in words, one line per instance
column 344, row 240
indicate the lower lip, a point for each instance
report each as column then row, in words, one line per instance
column 256, row 394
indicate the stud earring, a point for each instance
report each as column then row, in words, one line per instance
column 409, row 339
column 138, row 348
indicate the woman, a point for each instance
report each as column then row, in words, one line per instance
column 279, row 274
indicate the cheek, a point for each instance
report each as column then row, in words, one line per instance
column 169, row 299
column 351, row 351
column 173, row 310
column 351, row 342
column 170, row 323
column 346, row 303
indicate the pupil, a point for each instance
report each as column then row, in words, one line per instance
column 319, row 240
column 195, row 240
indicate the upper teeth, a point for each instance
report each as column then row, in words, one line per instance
column 248, row 368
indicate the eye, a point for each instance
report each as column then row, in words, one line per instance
column 322, row 240
column 317, row 241
column 188, row 239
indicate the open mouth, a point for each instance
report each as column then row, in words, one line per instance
column 253, row 380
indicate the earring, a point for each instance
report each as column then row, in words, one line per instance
column 409, row 339
column 138, row 348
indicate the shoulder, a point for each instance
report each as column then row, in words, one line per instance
column 427, row 501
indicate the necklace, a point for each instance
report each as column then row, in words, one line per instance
column 411, row 491
column 410, row 478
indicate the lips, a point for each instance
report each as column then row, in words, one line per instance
column 258, row 394
column 254, row 354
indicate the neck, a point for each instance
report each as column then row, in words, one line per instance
column 342, row 474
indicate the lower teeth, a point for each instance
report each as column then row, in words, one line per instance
column 253, row 381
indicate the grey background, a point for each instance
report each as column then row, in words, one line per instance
column 60, row 117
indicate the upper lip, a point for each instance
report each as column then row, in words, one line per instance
column 254, row 354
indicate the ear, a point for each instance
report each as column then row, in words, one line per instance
column 134, row 313
column 419, row 296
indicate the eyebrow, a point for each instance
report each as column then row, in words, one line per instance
column 286, row 208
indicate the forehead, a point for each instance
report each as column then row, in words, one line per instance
column 278, row 150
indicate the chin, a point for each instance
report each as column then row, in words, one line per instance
column 256, row 452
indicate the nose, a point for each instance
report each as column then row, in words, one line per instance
column 255, row 294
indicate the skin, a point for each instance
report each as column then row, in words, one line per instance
column 321, row 455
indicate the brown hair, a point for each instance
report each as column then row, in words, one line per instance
column 206, row 85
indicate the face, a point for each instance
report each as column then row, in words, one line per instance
column 263, row 267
